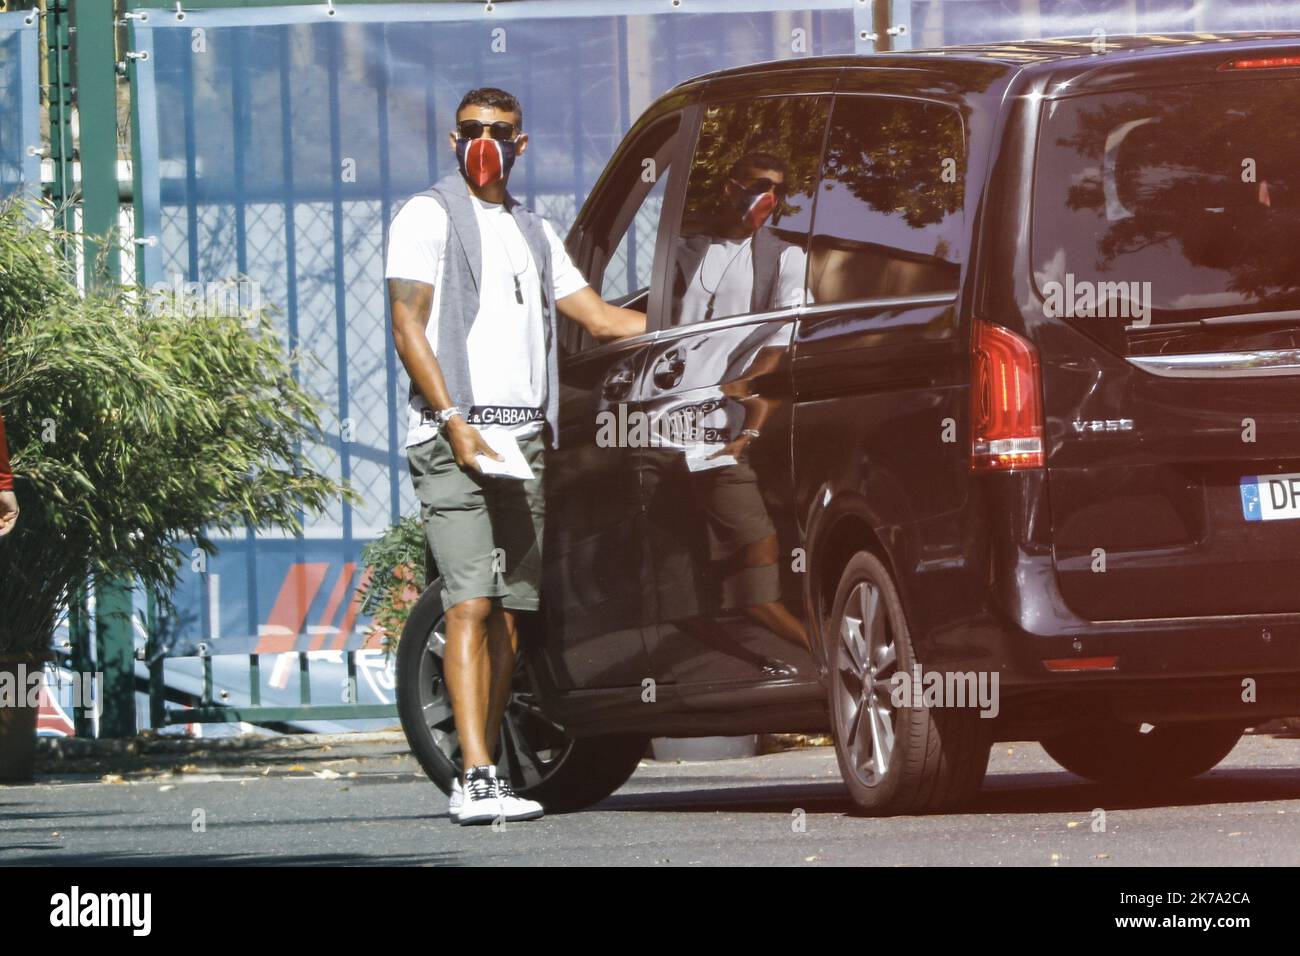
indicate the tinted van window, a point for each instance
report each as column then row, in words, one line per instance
column 889, row 213
column 623, row 236
column 1156, row 209
column 742, row 246
column 628, row 271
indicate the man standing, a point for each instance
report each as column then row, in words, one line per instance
column 474, row 284
column 8, row 501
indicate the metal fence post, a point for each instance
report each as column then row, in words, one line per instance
column 115, row 648
column 58, row 68
column 79, row 660
column 96, row 96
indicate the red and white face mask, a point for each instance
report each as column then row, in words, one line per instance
column 484, row 161
column 755, row 206
column 759, row 209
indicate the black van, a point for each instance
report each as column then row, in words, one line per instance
column 969, row 410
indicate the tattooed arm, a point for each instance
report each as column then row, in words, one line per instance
column 410, row 303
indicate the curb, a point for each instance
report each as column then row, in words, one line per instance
column 59, row 749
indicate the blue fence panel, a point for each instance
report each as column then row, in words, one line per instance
column 20, row 104
column 276, row 144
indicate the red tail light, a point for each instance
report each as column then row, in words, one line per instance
column 1006, row 401
column 1261, row 63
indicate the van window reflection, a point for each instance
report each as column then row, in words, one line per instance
column 889, row 220
column 742, row 246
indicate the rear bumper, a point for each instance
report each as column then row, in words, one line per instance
column 1039, row 627
column 1243, row 668
column 1033, row 712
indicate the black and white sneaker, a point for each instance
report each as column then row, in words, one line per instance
column 515, row 807
column 479, row 802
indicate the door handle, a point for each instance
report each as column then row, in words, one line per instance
column 617, row 384
column 668, row 370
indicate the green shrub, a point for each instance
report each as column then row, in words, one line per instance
column 135, row 425
column 395, row 561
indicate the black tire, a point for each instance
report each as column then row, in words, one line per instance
column 1122, row 754
column 542, row 762
column 938, row 756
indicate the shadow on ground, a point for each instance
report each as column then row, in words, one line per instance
column 1003, row 793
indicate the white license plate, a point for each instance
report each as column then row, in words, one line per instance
column 1270, row 497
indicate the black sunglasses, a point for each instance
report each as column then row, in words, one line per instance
column 762, row 185
column 473, row 129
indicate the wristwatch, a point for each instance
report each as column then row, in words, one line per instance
column 443, row 415
column 750, row 432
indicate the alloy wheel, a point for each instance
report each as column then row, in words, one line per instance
column 867, row 661
column 531, row 745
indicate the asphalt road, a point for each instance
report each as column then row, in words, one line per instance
column 368, row 804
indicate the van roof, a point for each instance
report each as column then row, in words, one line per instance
column 1064, row 48
column 1046, row 55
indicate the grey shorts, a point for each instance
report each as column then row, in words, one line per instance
column 485, row 531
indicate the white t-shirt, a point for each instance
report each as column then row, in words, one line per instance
column 728, row 269
column 507, row 342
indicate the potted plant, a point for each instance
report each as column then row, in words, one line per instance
column 136, row 423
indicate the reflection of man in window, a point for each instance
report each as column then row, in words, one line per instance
column 737, row 264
